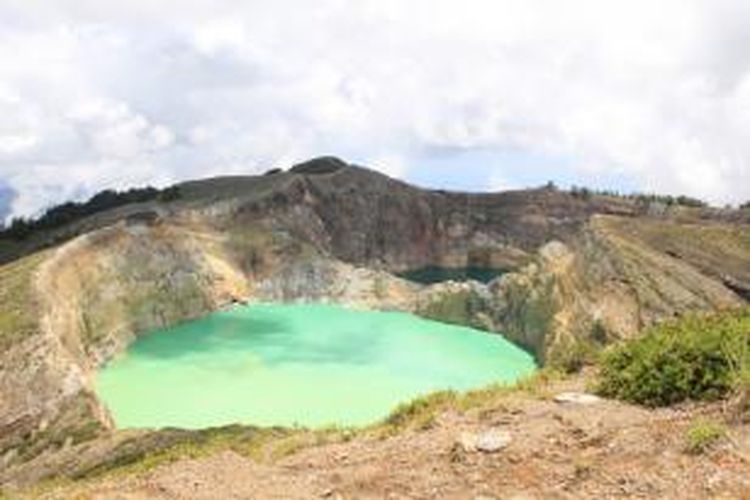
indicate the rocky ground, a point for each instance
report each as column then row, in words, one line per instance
column 518, row 445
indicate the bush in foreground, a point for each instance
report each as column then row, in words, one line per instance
column 696, row 357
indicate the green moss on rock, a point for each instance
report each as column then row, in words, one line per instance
column 460, row 307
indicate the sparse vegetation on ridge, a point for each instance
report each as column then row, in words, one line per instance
column 65, row 213
column 18, row 318
column 585, row 193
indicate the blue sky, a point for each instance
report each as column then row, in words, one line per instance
column 472, row 95
column 485, row 169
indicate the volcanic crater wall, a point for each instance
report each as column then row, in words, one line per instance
column 581, row 271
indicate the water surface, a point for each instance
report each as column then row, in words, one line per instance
column 309, row 365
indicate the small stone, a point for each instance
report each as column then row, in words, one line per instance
column 493, row 440
column 488, row 441
column 580, row 398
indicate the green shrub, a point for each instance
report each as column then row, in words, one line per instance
column 702, row 435
column 696, row 357
column 572, row 356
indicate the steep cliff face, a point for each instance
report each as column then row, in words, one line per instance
column 366, row 218
column 618, row 276
column 579, row 271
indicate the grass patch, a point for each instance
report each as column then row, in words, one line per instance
column 699, row 357
column 302, row 439
column 18, row 303
column 420, row 409
column 703, row 435
column 421, row 413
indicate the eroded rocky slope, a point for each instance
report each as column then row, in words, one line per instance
column 579, row 271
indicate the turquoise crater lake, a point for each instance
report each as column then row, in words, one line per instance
column 309, row 365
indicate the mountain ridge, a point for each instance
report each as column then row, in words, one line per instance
column 226, row 188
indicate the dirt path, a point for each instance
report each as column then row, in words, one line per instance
column 557, row 450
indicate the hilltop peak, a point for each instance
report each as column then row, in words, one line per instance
column 319, row 165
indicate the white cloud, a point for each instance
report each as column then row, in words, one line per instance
column 390, row 164
column 98, row 94
column 111, row 130
column 11, row 144
column 500, row 182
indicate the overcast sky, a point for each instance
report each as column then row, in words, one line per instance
column 648, row 95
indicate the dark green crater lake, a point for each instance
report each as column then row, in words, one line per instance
column 435, row 274
column 309, row 365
